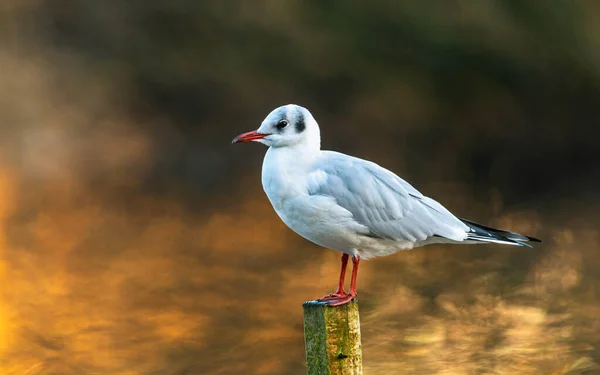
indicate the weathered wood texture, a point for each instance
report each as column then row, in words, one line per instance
column 332, row 339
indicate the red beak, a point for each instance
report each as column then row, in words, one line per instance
column 247, row 137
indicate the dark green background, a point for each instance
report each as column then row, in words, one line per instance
column 137, row 240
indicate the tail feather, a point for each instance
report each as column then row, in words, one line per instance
column 482, row 233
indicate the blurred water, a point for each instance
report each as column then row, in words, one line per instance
column 136, row 240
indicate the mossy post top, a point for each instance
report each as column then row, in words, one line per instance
column 332, row 339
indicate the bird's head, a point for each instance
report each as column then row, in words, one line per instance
column 287, row 126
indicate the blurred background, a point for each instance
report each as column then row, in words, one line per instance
column 134, row 239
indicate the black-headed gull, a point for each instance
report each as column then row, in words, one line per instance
column 351, row 205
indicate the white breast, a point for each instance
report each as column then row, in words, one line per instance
column 317, row 218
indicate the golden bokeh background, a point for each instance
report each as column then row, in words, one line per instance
column 134, row 239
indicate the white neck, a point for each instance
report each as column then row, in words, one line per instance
column 285, row 169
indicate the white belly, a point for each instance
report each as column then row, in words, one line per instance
column 320, row 220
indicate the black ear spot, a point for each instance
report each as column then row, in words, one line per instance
column 300, row 125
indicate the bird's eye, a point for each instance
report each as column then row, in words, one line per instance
column 281, row 124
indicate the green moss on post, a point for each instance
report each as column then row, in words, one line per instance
column 332, row 339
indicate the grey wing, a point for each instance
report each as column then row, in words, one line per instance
column 381, row 201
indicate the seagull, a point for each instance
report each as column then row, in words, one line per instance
column 349, row 204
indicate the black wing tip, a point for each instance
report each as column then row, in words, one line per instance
column 502, row 234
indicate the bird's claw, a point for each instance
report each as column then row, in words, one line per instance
column 332, row 296
column 338, row 298
column 343, row 300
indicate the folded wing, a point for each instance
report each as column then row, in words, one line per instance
column 381, row 201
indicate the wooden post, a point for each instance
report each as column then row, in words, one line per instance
column 332, row 339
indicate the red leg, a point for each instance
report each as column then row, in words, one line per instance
column 355, row 263
column 352, row 294
column 340, row 293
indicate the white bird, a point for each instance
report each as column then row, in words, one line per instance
column 351, row 205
